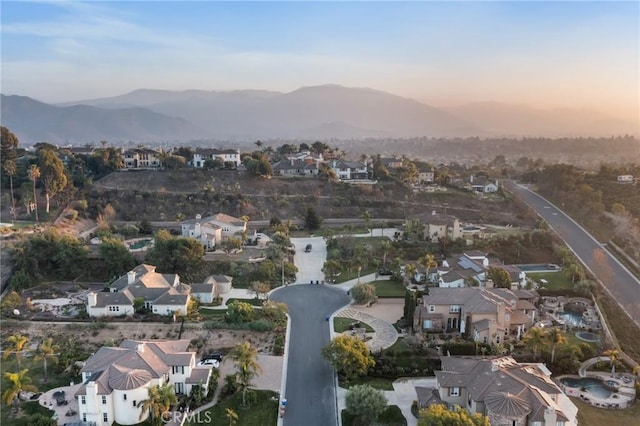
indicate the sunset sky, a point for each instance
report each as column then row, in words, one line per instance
column 545, row 54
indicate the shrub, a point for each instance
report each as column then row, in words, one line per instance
column 363, row 293
column 261, row 325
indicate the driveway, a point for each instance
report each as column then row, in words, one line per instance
column 309, row 264
column 310, row 386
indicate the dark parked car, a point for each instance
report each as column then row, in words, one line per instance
column 212, row 355
column 307, row 249
column 385, row 271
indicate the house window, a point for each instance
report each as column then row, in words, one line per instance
column 454, row 308
column 105, row 417
column 84, row 417
column 432, row 308
column 124, row 396
column 484, row 339
column 104, row 400
column 134, row 404
column 179, row 388
column 507, row 317
column 498, row 338
column 536, row 423
column 454, row 391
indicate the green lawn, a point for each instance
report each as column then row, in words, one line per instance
column 392, row 416
column 213, row 313
column 346, row 275
column 556, row 280
column 262, row 412
column 381, row 383
column 340, row 325
column 254, row 301
column 389, row 288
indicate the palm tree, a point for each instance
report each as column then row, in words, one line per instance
column 244, row 219
column 534, row 338
column 367, row 219
column 10, row 170
column 47, row 350
column 409, row 271
column 160, row 400
column 18, row 382
column 18, row 342
column 232, row 416
column 244, row 359
column 614, row 357
column 385, row 246
column 34, row 175
column 556, row 337
column 428, row 261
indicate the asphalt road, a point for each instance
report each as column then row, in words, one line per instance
column 310, row 387
column 617, row 280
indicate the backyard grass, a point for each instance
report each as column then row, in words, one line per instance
column 261, row 412
column 212, row 313
column 592, row 416
column 389, row 289
column 346, row 275
column 254, row 301
column 392, row 416
column 340, row 325
column 381, row 383
column 555, row 280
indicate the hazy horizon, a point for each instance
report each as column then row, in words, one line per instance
column 547, row 55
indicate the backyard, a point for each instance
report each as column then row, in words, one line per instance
column 262, row 411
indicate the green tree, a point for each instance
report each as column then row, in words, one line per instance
column 499, row 276
column 47, row 351
column 349, row 356
column 53, row 173
column 174, row 162
column 410, row 303
column 176, row 255
column 17, row 342
column 34, row 175
column 160, row 399
column 365, row 403
column 245, row 359
column 17, row 382
column 117, row 256
column 534, row 339
column 385, row 247
column 614, row 358
column 366, row 215
column 11, row 301
column 239, row 312
column 428, row 261
column 332, row 268
column 363, row 293
column 232, row 416
column 311, row 220
column 556, row 337
column 230, row 244
column 8, row 147
column 439, row 415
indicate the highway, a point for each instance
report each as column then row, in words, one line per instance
column 621, row 284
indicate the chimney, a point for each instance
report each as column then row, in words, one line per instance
column 92, row 298
column 140, row 347
column 131, row 277
column 433, row 212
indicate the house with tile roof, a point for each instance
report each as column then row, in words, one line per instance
column 487, row 315
column 436, row 226
column 472, row 267
column 163, row 294
column 116, row 379
column 211, row 230
column 141, row 158
column 349, row 170
column 296, row 167
column 212, row 286
column 508, row 392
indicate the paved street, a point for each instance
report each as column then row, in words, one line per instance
column 618, row 281
column 309, row 264
column 310, row 390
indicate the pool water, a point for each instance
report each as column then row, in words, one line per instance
column 593, row 386
column 139, row 244
column 572, row 318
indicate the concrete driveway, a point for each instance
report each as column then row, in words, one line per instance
column 309, row 264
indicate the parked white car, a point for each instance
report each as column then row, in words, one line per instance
column 212, row 362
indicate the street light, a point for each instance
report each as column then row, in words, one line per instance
column 283, row 272
column 359, row 268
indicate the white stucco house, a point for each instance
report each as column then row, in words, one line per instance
column 349, row 170
column 212, row 286
column 211, row 230
column 163, row 294
column 115, row 380
column 225, row 155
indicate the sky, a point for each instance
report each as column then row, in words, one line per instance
column 577, row 54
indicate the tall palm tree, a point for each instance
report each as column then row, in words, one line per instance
column 10, row 170
column 409, row 271
column 244, row 219
column 614, row 357
column 160, row 400
column 556, row 337
column 34, row 175
column 385, row 246
column 47, row 350
column 366, row 215
column 534, row 339
column 18, row 382
column 245, row 360
column 428, row 261
column 17, row 343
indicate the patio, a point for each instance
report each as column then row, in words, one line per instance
column 63, row 403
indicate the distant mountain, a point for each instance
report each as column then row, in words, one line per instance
column 309, row 112
column 32, row 121
column 523, row 120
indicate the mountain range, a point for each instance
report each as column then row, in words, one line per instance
column 318, row 112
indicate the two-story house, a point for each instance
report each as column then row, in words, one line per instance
column 163, row 294
column 229, row 156
column 436, row 226
column 349, row 170
column 509, row 393
column 212, row 229
column 488, row 315
column 141, row 158
column 115, row 380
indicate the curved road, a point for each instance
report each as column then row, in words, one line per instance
column 621, row 284
column 310, row 388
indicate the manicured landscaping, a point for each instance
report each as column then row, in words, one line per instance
column 381, row 383
column 555, row 280
column 254, row 301
column 263, row 411
column 392, row 416
column 340, row 325
column 389, row 288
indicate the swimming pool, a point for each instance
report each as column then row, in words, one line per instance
column 592, row 385
column 572, row 318
column 139, row 244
